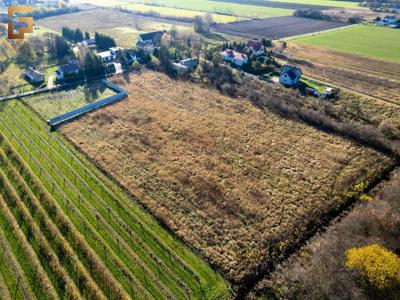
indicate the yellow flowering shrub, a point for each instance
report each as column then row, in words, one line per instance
column 365, row 198
column 378, row 265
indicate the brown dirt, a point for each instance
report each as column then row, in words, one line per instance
column 224, row 175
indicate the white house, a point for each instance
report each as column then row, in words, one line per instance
column 110, row 55
column 290, row 76
column 70, row 69
column 234, row 57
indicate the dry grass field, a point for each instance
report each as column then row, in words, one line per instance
column 122, row 26
column 365, row 75
column 229, row 178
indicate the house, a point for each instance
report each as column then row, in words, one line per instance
column 186, row 65
column 290, row 76
column 90, row 43
column 234, row 57
column 111, row 54
column 67, row 70
column 388, row 21
column 254, row 47
column 34, row 76
column 151, row 37
column 148, row 41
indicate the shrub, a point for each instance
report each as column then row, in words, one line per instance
column 378, row 265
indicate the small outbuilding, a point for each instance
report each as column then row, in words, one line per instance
column 290, row 76
column 34, row 76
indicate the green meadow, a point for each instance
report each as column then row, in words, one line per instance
column 376, row 42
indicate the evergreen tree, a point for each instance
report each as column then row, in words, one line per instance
column 61, row 47
column 78, row 35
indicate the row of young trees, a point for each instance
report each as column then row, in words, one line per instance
column 76, row 35
column 104, row 41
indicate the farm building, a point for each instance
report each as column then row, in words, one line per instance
column 290, row 76
column 389, row 21
column 34, row 76
column 67, row 70
column 255, row 47
column 148, row 41
column 234, row 57
column 186, row 65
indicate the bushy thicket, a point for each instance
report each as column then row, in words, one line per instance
column 315, row 14
column 321, row 270
column 44, row 13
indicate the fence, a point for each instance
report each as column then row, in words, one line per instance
column 30, row 93
column 121, row 93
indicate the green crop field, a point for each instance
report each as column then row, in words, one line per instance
column 52, row 104
column 241, row 10
column 68, row 232
column 371, row 41
column 346, row 4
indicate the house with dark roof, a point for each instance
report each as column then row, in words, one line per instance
column 254, row 47
column 148, row 41
column 151, row 37
column 234, row 57
column 34, row 76
column 67, row 70
column 290, row 76
column 186, row 65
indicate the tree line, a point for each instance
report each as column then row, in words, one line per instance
column 76, row 35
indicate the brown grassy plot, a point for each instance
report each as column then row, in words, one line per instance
column 224, row 175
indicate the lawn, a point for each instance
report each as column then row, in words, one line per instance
column 248, row 11
column 53, row 104
column 234, row 181
column 370, row 41
column 68, row 232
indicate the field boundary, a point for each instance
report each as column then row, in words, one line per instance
column 121, row 93
column 30, row 93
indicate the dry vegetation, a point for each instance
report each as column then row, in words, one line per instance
column 368, row 76
column 319, row 270
column 124, row 27
column 234, row 181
